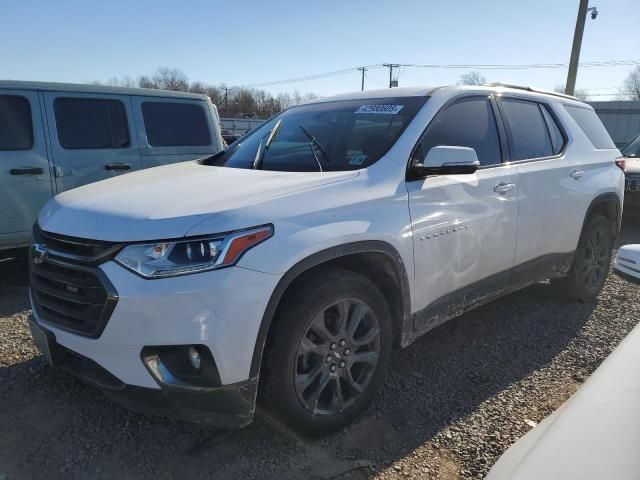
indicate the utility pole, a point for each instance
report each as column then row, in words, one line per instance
column 226, row 94
column 391, row 67
column 362, row 69
column 577, row 44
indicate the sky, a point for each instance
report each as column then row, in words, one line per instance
column 253, row 42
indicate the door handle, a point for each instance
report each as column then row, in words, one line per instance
column 27, row 171
column 504, row 187
column 117, row 166
column 577, row 174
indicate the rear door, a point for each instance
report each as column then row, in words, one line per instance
column 175, row 129
column 464, row 226
column 551, row 181
column 92, row 137
column 25, row 179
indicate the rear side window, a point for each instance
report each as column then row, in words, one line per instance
column 91, row 123
column 16, row 130
column 557, row 138
column 172, row 124
column 528, row 130
column 468, row 122
column 592, row 127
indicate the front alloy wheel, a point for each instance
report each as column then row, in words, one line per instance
column 337, row 356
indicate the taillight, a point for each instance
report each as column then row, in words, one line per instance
column 621, row 163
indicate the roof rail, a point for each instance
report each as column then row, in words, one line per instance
column 529, row 89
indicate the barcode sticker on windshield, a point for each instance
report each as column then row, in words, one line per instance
column 380, row 109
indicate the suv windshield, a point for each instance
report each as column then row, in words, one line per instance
column 632, row 149
column 328, row 136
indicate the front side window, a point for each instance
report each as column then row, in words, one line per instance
column 529, row 134
column 91, row 123
column 469, row 122
column 592, row 127
column 330, row 136
column 16, row 130
column 174, row 124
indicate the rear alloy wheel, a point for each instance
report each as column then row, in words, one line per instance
column 591, row 262
column 328, row 352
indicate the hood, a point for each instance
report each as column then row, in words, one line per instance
column 632, row 165
column 166, row 202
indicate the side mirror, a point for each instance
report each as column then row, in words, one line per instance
column 445, row 160
column 627, row 263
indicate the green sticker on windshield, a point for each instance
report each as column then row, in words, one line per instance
column 380, row 109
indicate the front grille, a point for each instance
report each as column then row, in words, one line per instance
column 632, row 183
column 67, row 288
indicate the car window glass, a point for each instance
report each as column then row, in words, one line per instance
column 16, row 130
column 632, row 149
column 592, row 127
column 91, row 123
column 557, row 139
column 468, row 122
column 529, row 134
column 173, row 124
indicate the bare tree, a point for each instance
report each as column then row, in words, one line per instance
column 630, row 89
column 171, row 79
column 471, row 78
column 580, row 93
column 145, row 81
column 197, row 87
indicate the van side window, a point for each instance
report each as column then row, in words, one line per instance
column 529, row 135
column 91, row 123
column 16, row 130
column 468, row 122
column 557, row 139
column 171, row 124
column 592, row 127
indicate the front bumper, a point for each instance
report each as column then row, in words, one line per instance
column 227, row 406
column 220, row 310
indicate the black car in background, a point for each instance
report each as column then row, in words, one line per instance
column 229, row 136
column 631, row 154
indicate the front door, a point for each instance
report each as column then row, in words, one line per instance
column 464, row 226
column 25, row 178
column 92, row 137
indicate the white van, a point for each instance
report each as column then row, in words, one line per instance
column 54, row 137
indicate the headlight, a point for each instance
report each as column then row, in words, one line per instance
column 171, row 258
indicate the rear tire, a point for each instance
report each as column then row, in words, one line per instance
column 329, row 351
column 591, row 262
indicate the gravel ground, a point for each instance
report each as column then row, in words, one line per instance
column 452, row 403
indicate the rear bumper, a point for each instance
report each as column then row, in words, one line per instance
column 229, row 406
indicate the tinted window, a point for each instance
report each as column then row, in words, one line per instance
column 171, row 124
column 327, row 136
column 557, row 139
column 592, row 127
column 529, row 134
column 16, row 131
column 632, row 149
column 91, row 123
column 467, row 123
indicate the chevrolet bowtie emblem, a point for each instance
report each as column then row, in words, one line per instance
column 39, row 254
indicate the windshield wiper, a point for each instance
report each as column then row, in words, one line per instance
column 314, row 141
column 260, row 153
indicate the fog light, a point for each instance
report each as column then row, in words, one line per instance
column 194, row 358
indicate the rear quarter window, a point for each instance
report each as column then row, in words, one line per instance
column 173, row 124
column 592, row 127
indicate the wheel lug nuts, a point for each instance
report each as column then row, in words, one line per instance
column 343, row 342
column 332, row 368
column 328, row 358
column 332, row 346
column 343, row 364
column 347, row 351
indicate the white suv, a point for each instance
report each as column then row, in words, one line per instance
column 292, row 263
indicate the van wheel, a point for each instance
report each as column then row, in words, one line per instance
column 591, row 262
column 329, row 351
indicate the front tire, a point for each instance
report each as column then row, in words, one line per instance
column 591, row 263
column 329, row 351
